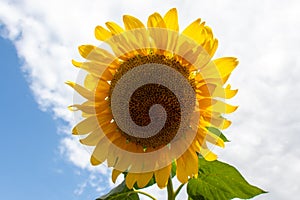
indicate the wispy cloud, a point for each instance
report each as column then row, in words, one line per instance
column 264, row 35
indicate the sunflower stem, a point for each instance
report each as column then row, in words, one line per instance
column 178, row 190
column 171, row 194
column 144, row 193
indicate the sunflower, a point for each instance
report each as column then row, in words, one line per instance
column 153, row 95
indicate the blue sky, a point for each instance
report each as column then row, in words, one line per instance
column 31, row 167
column 39, row 156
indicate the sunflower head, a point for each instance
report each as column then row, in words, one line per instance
column 153, row 97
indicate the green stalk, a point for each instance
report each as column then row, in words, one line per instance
column 178, row 190
column 171, row 194
column 144, row 193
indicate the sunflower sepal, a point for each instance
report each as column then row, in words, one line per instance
column 219, row 180
column 218, row 133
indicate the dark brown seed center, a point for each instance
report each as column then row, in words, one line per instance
column 150, row 94
column 140, row 103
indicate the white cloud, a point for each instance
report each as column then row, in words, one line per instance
column 78, row 191
column 264, row 35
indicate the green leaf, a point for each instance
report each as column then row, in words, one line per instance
column 121, row 192
column 218, row 180
column 218, row 133
column 199, row 197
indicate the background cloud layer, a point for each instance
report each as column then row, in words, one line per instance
column 264, row 35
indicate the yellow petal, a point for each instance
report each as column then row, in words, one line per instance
column 131, row 22
column 187, row 166
column 143, row 179
column 102, row 90
column 162, row 176
column 90, row 107
column 116, row 157
column 93, row 138
column 230, row 93
column 212, row 138
column 95, row 68
column 130, row 180
column 211, row 74
column 115, row 174
column 104, row 112
column 206, row 102
column 196, row 146
column 222, row 107
column 100, row 152
column 156, row 21
column 191, row 158
column 226, row 123
column 213, row 47
column 201, row 133
column 85, row 126
column 180, row 171
column 90, row 82
column 216, row 120
column 195, row 31
column 91, row 52
column 85, row 50
column 202, row 35
column 206, row 90
column 108, row 74
column 109, row 128
column 225, row 92
column 210, row 44
column 112, row 137
column 171, row 22
column 94, row 161
column 208, row 31
column 102, row 34
column 225, row 66
column 138, row 38
column 190, row 29
column 114, row 28
column 76, row 63
column 171, row 19
column 156, row 27
column 83, row 108
column 115, row 150
column 81, row 90
column 207, row 154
